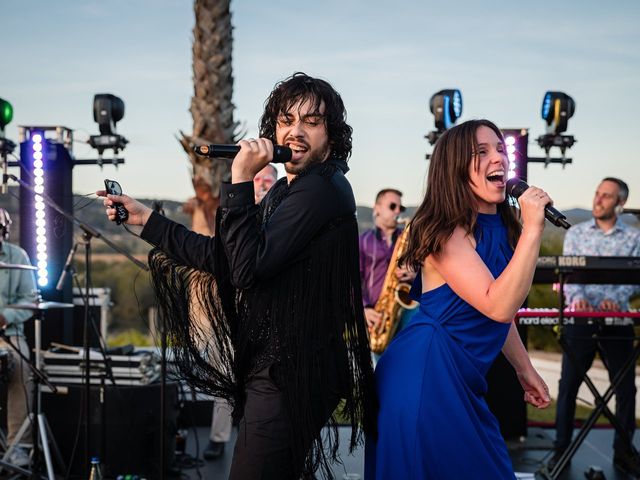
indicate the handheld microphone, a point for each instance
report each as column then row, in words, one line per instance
column 67, row 267
column 281, row 154
column 516, row 187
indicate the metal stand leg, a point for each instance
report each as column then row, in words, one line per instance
column 601, row 400
column 41, row 430
column 4, row 463
column 45, row 446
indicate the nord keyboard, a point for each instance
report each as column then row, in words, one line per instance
column 587, row 269
column 549, row 316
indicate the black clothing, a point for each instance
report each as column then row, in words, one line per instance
column 615, row 344
column 284, row 295
column 268, row 456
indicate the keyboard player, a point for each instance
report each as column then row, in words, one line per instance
column 603, row 235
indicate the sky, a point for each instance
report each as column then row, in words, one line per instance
column 386, row 58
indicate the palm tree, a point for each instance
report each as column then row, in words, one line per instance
column 211, row 108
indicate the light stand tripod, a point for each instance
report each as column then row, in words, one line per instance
column 41, row 431
column 88, row 233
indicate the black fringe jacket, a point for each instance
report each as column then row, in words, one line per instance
column 280, row 287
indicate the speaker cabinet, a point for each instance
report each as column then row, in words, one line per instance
column 124, row 427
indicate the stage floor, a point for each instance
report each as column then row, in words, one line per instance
column 528, row 456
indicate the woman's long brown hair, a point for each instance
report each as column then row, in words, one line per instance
column 449, row 201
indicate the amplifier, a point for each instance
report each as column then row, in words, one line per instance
column 141, row 368
column 124, row 428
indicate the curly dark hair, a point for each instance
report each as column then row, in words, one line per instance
column 301, row 86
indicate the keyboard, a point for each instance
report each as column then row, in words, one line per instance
column 549, row 316
column 588, row 269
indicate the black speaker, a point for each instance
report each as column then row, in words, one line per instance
column 77, row 333
column 505, row 396
column 124, row 423
column 46, row 234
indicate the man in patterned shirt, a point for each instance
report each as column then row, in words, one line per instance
column 603, row 235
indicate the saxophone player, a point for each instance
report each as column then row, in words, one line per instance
column 376, row 250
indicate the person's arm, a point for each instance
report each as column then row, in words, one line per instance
column 575, row 294
column 536, row 391
column 25, row 293
column 463, row 270
column 187, row 247
column 257, row 252
column 373, row 318
column 180, row 243
column 361, row 247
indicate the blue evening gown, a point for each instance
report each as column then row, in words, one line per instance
column 433, row 421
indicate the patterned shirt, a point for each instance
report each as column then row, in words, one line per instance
column 587, row 238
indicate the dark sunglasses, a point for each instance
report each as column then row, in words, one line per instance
column 393, row 206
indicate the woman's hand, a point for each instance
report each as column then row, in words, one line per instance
column 532, row 203
column 536, row 391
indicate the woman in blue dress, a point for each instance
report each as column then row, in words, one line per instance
column 476, row 263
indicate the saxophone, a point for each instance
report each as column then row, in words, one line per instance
column 394, row 299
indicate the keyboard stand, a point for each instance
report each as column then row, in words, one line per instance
column 600, row 400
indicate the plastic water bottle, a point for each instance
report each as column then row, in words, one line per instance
column 96, row 473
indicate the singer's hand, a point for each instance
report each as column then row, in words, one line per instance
column 536, row 391
column 253, row 156
column 138, row 213
column 532, row 203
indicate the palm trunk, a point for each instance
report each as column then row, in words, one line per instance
column 211, row 108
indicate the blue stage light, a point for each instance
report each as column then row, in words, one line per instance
column 446, row 106
column 557, row 109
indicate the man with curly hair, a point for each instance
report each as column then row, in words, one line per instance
column 280, row 282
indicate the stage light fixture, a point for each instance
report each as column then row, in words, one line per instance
column 39, row 159
column 108, row 110
column 557, row 109
column 446, row 106
column 6, row 145
column 6, row 114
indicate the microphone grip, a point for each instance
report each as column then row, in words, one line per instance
column 281, row 154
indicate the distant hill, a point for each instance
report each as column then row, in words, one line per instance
column 91, row 211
